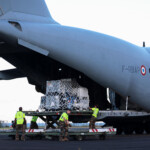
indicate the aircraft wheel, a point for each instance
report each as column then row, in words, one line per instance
column 55, row 138
column 147, row 127
column 79, row 137
column 12, row 137
column 139, row 130
column 128, row 130
column 102, row 137
column 119, row 130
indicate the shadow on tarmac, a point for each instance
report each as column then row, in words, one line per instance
column 117, row 142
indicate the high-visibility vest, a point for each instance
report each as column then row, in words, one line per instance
column 64, row 115
column 20, row 117
column 95, row 112
column 34, row 118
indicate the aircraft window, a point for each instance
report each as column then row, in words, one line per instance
column 16, row 25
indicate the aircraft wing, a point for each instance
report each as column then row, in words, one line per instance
column 10, row 74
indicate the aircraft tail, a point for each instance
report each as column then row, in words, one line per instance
column 25, row 10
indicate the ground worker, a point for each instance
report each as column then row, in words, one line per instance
column 20, row 122
column 94, row 117
column 64, row 123
column 33, row 124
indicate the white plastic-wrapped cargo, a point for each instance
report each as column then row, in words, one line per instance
column 66, row 94
column 83, row 102
column 53, row 95
column 43, row 102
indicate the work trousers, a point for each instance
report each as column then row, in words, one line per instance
column 92, row 123
column 63, row 129
column 33, row 125
column 20, row 127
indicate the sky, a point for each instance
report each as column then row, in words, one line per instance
column 125, row 19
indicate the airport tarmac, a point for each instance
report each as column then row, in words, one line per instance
column 117, row 142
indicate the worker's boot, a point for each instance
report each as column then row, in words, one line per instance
column 61, row 139
column 66, row 139
column 22, row 138
column 17, row 137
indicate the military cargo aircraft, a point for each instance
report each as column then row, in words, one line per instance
column 41, row 49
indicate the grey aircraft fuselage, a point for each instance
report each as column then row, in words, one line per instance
column 109, row 61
